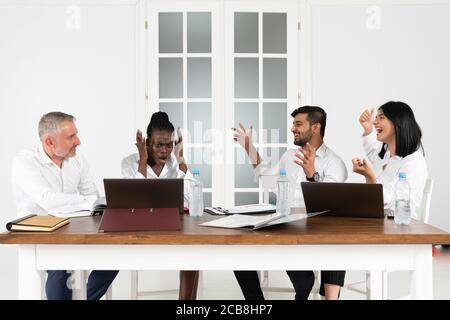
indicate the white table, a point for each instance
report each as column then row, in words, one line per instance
column 321, row 243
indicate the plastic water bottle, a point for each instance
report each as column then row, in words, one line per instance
column 402, row 213
column 196, row 205
column 296, row 194
column 283, row 194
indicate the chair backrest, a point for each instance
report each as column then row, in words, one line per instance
column 423, row 212
column 268, row 183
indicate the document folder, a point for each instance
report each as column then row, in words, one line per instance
column 140, row 219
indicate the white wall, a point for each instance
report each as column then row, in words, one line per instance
column 88, row 72
column 407, row 59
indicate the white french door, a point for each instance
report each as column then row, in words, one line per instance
column 261, row 86
column 184, row 68
column 213, row 64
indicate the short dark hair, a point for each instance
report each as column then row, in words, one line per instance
column 159, row 121
column 407, row 131
column 315, row 115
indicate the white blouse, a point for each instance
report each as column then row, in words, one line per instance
column 388, row 168
column 171, row 170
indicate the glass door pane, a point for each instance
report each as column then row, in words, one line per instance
column 262, row 55
column 246, row 32
column 182, row 57
column 170, row 32
column 199, row 32
column 274, row 32
column 170, row 78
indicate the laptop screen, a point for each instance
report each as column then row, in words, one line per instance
column 144, row 193
column 359, row 200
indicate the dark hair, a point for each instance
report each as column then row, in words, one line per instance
column 315, row 115
column 159, row 121
column 407, row 131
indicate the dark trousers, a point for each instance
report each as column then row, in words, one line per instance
column 331, row 277
column 57, row 287
column 303, row 281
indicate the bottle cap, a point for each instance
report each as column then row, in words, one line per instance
column 196, row 172
column 282, row 172
column 402, row 175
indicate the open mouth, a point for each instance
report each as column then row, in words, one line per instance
column 379, row 130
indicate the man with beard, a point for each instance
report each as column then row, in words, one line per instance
column 312, row 161
column 54, row 178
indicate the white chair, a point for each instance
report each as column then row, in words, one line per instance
column 424, row 210
column 269, row 184
column 423, row 214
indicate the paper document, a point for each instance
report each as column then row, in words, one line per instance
column 72, row 214
column 82, row 210
column 257, row 222
column 245, row 209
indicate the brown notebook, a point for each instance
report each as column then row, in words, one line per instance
column 140, row 219
column 34, row 222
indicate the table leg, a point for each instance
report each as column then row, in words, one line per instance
column 375, row 285
column 30, row 279
column 422, row 275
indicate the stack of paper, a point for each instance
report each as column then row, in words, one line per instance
column 245, row 209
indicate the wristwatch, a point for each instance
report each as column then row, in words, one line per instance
column 315, row 177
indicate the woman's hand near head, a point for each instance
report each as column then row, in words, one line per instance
column 141, row 144
column 178, row 151
column 366, row 120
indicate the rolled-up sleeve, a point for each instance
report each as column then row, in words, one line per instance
column 371, row 147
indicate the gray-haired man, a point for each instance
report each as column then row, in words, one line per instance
column 53, row 178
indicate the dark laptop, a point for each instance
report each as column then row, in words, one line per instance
column 142, row 205
column 144, row 193
column 358, row 200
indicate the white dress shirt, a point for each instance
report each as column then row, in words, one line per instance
column 387, row 170
column 171, row 170
column 328, row 164
column 41, row 187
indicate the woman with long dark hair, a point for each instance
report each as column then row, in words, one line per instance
column 395, row 146
column 160, row 156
